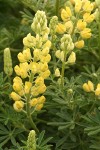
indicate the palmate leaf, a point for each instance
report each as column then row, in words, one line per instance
column 42, row 143
column 93, row 123
column 8, row 133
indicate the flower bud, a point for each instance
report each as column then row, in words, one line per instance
column 57, row 72
column 31, row 142
column 7, row 62
column 66, row 42
column 58, row 53
column 28, row 86
column 72, row 58
column 39, row 25
column 53, row 24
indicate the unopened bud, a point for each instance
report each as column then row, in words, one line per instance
column 31, row 142
column 7, row 62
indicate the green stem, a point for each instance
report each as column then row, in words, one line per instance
column 62, row 74
column 63, row 69
column 29, row 116
column 57, row 7
column 28, row 108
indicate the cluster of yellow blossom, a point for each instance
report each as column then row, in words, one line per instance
column 66, row 47
column 89, row 87
column 29, row 84
column 75, row 21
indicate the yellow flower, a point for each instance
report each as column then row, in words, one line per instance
column 45, row 74
column 72, row 1
column 33, row 102
column 43, row 66
column 17, row 79
column 72, row 58
column 66, row 14
column 88, row 87
column 88, row 6
column 91, row 86
column 78, row 6
column 45, row 58
column 17, row 86
column 60, row 28
column 45, row 51
column 47, row 44
column 39, row 81
column 81, row 25
column 41, row 89
column 69, row 26
column 28, row 86
column 37, row 54
column 25, row 66
column 34, row 67
column 86, row 33
column 97, row 91
column 34, row 91
column 79, row 44
column 39, row 107
column 29, row 41
column 41, row 99
column 23, row 73
column 21, row 92
column 15, row 96
column 22, row 69
column 18, row 105
column 88, row 17
column 21, row 57
column 57, row 72
column 17, row 70
column 58, row 53
column 27, row 54
column 62, row 56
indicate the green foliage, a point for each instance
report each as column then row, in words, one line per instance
column 70, row 115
